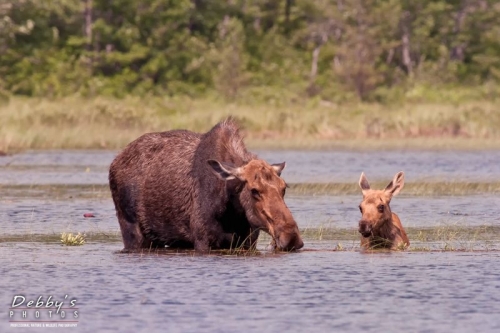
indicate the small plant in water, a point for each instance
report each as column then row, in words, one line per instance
column 69, row 239
column 340, row 247
column 402, row 246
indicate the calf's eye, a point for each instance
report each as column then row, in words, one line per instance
column 255, row 193
column 380, row 208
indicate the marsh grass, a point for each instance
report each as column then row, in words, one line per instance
column 240, row 250
column 411, row 188
column 112, row 123
column 56, row 191
column 50, row 238
column 69, row 239
column 101, row 191
column 446, row 237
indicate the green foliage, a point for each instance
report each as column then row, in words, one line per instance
column 335, row 49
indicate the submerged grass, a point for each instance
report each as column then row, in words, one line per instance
column 112, row 123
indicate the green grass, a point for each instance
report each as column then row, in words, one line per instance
column 106, row 123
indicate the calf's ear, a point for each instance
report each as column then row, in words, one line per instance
column 397, row 184
column 279, row 167
column 224, row 171
column 363, row 183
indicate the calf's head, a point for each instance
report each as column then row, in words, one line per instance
column 262, row 197
column 375, row 209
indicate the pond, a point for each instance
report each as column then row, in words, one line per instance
column 450, row 281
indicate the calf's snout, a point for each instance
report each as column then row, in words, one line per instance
column 365, row 228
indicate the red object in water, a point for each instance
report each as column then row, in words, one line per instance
column 88, row 215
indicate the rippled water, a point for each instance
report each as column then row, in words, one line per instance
column 315, row 289
column 319, row 291
column 53, row 216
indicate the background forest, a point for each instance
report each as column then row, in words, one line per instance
column 337, row 49
column 280, row 53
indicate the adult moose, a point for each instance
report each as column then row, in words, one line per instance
column 379, row 226
column 184, row 189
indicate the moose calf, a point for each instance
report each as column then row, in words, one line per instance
column 379, row 227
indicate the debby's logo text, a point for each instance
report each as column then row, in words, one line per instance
column 43, row 311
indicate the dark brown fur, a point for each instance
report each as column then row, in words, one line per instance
column 379, row 226
column 184, row 189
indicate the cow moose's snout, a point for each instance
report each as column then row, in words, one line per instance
column 365, row 228
column 290, row 241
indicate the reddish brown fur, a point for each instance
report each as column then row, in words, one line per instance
column 184, row 189
column 379, row 226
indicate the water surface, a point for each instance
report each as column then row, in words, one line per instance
column 91, row 167
column 324, row 291
column 46, row 193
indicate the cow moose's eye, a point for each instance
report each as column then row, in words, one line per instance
column 361, row 209
column 380, row 208
column 255, row 193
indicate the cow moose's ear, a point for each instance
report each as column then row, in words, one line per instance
column 224, row 171
column 279, row 167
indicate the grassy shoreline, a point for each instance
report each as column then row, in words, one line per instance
column 104, row 123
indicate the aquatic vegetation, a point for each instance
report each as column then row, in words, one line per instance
column 445, row 237
column 101, row 191
column 415, row 188
column 69, row 239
